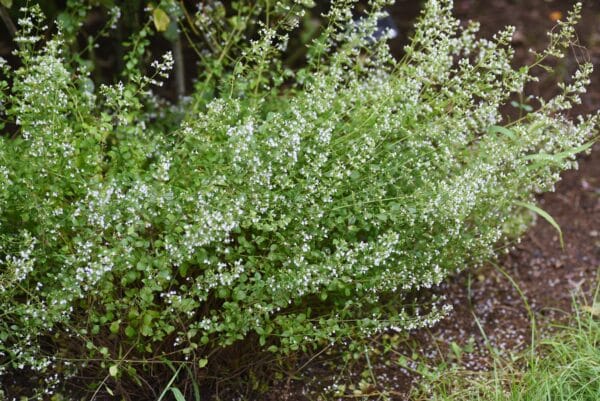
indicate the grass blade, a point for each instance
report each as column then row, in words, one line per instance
column 545, row 216
column 559, row 157
column 498, row 129
column 164, row 392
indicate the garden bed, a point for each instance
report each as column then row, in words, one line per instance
column 157, row 280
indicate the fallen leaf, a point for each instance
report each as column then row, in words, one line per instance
column 555, row 16
column 161, row 19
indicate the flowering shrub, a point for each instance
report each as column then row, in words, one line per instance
column 296, row 208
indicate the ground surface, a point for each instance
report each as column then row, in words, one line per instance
column 546, row 275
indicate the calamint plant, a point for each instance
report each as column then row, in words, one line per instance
column 293, row 208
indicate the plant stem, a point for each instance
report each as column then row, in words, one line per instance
column 179, row 66
column 10, row 25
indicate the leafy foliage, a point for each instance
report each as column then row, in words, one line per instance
column 297, row 207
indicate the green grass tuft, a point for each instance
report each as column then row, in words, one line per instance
column 565, row 366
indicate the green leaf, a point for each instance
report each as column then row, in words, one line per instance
column 546, row 217
column 161, row 19
column 113, row 370
column 130, row 331
column 114, row 326
column 202, row 363
column 559, row 157
column 6, row 3
column 177, row 394
column 521, row 106
column 172, row 32
column 470, row 346
column 497, row 129
column 456, row 349
column 109, row 391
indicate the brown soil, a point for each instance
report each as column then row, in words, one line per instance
column 486, row 302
